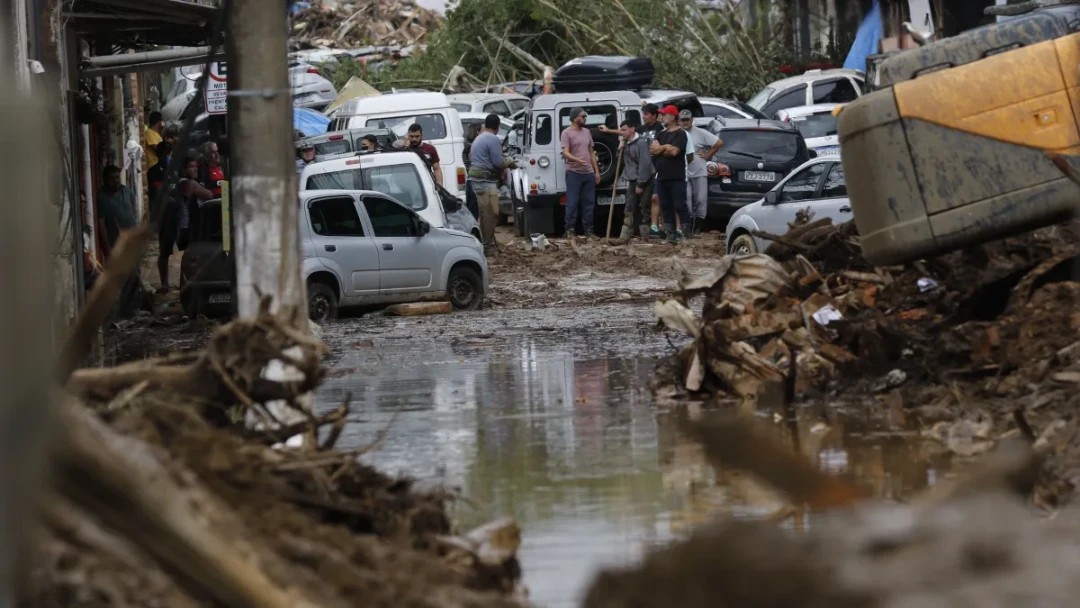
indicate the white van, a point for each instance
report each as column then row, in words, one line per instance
column 397, row 173
column 432, row 111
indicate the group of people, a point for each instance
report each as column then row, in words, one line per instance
column 664, row 162
column 199, row 178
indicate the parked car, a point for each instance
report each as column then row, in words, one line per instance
column 817, row 123
column 342, row 142
column 398, row 173
column 756, row 155
column 365, row 248
column 812, row 87
column 206, row 271
column 817, row 185
column 682, row 100
column 728, row 108
column 180, row 94
column 528, row 88
column 310, row 89
column 432, row 111
column 538, row 185
column 503, row 104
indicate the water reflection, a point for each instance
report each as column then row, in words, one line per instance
column 535, row 425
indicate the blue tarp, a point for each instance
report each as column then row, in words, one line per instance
column 309, row 122
column 866, row 40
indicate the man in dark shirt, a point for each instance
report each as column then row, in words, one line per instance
column 414, row 140
column 671, row 152
column 650, row 118
column 115, row 208
column 211, row 172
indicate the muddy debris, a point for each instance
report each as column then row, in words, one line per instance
column 176, row 483
column 971, row 542
column 965, row 340
column 349, row 24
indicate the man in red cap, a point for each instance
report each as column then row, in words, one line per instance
column 671, row 153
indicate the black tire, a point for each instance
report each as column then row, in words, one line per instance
column 607, row 154
column 322, row 303
column 465, row 288
column 742, row 245
column 191, row 300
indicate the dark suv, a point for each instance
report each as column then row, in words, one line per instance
column 756, row 155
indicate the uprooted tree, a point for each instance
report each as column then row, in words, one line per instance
column 708, row 51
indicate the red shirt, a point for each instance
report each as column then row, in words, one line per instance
column 428, row 153
column 217, row 176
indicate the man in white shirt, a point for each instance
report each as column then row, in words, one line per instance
column 704, row 145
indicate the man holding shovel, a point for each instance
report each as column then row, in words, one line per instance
column 639, row 173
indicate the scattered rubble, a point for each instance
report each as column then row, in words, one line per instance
column 352, row 24
column 162, row 495
column 966, row 344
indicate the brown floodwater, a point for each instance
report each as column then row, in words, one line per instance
column 544, row 415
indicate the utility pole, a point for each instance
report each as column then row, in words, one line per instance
column 263, row 182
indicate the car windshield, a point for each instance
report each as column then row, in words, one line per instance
column 433, row 124
column 763, row 95
column 771, row 146
column 402, row 182
column 461, row 107
column 817, row 125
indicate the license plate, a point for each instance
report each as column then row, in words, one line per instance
column 220, row 298
column 759, row 176
column 299, row 100
column 620, row 199
column 829, row 151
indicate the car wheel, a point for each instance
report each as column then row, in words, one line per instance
column 743, row 245
column 322, row 303
column 191, row 302
column 465, row 288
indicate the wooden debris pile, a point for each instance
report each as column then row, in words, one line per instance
column 357, row 23
column 176, row 483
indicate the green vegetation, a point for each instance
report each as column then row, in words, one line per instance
column 706, row 52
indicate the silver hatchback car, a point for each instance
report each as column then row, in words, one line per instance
column 365, row 248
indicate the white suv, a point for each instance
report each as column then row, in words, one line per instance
column 362, row 247
column 400, row 174
column 812, row 87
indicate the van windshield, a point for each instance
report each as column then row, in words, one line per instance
column 402, row 182
column 433, row 124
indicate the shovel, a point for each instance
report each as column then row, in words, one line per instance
column 614, row 188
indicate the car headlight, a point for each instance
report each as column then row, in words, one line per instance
column 544, row 162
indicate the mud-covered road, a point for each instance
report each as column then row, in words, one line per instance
column 537, row 407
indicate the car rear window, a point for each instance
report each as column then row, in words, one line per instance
column 402, row 182
column 817, row 125
column 327, row 148
column 433, row 124
column 772, row 146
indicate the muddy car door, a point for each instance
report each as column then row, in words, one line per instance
column 343, row 245
column 798, row 192
column 406, row 258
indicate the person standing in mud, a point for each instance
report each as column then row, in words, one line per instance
column 582, row 172
column 703, row 146
column 671, row 152
column 650, row 117
column 485, row 171
column 639, row 173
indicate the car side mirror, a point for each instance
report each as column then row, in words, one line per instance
column 813, row 153
column 424, row 227
column 770, row 197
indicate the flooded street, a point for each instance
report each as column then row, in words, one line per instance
column 544, row 415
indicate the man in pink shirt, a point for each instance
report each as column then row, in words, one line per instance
column 582, row 173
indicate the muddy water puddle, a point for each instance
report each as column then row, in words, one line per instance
column 543, row 415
